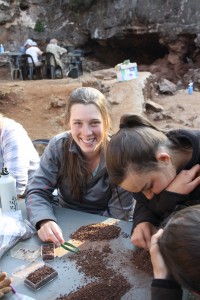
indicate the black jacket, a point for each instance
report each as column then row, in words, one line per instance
column 165, row 289
column 162, row 205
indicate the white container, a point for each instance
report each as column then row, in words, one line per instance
column 8, row 194
column 126, row 71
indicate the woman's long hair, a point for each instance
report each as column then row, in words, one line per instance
column 134, row 147
column 180, row 247
column 74, row 166
column 135, row 144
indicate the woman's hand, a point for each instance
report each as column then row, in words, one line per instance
column 4, row 284
column 160, row 270
column 186, row 181
column 50, row 232
column 142, row 233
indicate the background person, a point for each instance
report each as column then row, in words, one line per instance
column 17, row 153
column 74, row 163
column 4, row 284
column 56, row 50
column 160, row 169
column 23, row 48
column 35, row 52
column 175, row 254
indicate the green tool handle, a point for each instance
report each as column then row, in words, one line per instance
column 70, row 247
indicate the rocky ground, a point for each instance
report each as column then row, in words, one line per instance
column 39, row 105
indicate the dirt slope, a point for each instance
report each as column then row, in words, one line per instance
column 39, row 105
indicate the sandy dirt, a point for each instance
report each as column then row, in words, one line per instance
column 180, row 111
column 39, row 105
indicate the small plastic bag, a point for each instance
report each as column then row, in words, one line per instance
column 13, row 229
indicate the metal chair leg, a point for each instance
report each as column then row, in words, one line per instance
column 30, row 73
column 53, row 76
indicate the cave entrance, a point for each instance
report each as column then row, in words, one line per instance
column 141, row 48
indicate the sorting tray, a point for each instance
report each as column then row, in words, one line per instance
column 25, row 251
column 45, row 274
column 48, row 252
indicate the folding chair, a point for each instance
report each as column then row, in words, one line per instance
column 12, row 60
column 73, row 62
column 30, row 69
column 50, row 66
column 15, row 67
column 40, row 145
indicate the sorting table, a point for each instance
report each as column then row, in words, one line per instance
column 69, row 278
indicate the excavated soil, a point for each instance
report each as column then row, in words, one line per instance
column 108, row 284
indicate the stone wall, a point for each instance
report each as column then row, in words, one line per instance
column 152, row 32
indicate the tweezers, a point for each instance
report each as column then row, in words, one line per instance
column 69, row 247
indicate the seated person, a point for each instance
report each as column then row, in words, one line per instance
column 76, row 153
column 56, row 50
column 17, row 153
column 23, row 48
column 35, row 52
column 175, row 255
column 4, row 284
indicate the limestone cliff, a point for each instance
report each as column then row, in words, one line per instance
column 152, row 32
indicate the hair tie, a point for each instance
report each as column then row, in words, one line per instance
column 122, row 126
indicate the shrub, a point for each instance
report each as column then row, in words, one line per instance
column 39, row 26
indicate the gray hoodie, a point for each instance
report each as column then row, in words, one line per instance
column 99, row 197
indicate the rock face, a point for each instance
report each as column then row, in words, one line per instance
column 161, row 36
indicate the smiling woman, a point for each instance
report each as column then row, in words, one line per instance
column 86, row 125
column 74, row 163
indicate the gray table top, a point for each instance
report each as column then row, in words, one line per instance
column 73, row 54
column 69, row 278
column 10, row 53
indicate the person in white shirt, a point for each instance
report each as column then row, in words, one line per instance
column 17, row 153
column 35, row 52
column 23, row 48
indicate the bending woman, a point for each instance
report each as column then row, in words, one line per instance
column 175, row 254
column 160, row 169
column 74, row 163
